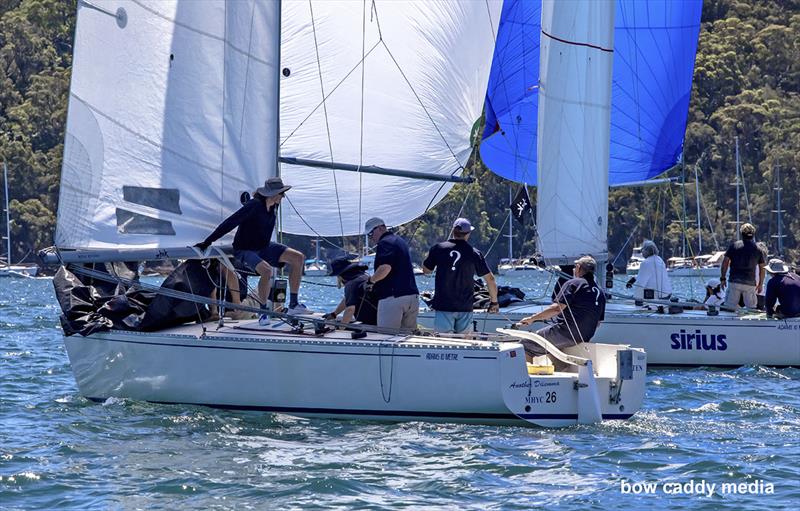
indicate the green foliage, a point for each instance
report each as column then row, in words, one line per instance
column 746, row 85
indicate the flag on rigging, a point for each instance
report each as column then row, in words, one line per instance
column 521, row 204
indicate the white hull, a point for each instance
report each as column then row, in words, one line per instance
column 704, row 272
column 18, row 271
column 315, row 272
column 671, row 339
column 378, row 378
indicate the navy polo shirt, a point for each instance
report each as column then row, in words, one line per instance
column 355, row 295
column 255, row 225
column 393, row 250
column 786, row 290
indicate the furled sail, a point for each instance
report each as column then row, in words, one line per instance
column 574, row 112
column 172, row 112
column 655, row 43
column 404, row 84
column 171, row 108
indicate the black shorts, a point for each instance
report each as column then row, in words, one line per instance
column 271, row 254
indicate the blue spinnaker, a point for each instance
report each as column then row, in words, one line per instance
column 655, row 43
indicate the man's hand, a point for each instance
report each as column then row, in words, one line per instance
column 203, row 245
column 526, row 321
column 368, row 287
column 493, row 307
column 329, row 316
column 723, row 283
column 759, row 287
column 629, row 284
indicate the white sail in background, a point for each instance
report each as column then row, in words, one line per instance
column 574, row 124
column 172, row 112
column 423, row 85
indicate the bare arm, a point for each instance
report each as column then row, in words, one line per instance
column 762, row 273
column 491, row 283
column 339, row 308
column 381, row 273
column 552, row 310
column 426, row 270
column 726, row 261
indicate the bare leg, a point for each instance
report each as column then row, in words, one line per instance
column 264, row 282
column 233, row 284
column 295, row 261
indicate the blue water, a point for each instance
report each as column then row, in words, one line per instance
column 58, row 450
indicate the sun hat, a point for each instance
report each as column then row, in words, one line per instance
column 342, row 265
column 272, row 186
column 372, row 223
column 777, row 266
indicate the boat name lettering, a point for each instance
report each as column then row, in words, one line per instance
column 538, row 383
column 786, row 326
column 638, row 367
column 523, row 385
column 697, row 340
column 441, row 356
column 162, row 254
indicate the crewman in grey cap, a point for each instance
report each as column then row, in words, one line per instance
column 579, row 307
column 393, row 278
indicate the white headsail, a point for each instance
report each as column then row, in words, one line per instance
column 574, row 123
column 172, row 112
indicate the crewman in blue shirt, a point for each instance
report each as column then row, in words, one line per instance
column 252, row 245
column 784, row 288
column 393, row 278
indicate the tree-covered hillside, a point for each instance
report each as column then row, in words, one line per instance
column 747, row 85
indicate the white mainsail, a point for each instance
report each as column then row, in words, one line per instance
column 172, row 112
column 574, row 124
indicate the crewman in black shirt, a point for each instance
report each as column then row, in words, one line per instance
column 393, row 278
column 358, row 303
column 457, row 263
column 252, row 245
column 743, row 257
column 579, row 307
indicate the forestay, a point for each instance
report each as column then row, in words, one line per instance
column 172, row 112
column 574, row 111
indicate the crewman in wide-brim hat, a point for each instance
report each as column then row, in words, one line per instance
column 253, row 247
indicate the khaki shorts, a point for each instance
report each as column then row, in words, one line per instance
column 737, row 290
column 398, row 311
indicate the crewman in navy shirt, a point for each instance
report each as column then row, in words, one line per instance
column 393, row 278
column 783, row 287
column 457, row 263
column 252, row 245
column 579, row 307
column 358, row 303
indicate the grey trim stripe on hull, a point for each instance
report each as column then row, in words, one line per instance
column 385, row 413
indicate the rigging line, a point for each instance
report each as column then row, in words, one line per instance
column 327, row 124
column 224, row 90
column 317, row 234
column 499, row 233
column 363, row 58
column 361, row 121
column 625, row 244
column 491, row 22
column 424, row 108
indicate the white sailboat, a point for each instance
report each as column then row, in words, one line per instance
column 6, row 268
column 193, row 122
column 571, row 166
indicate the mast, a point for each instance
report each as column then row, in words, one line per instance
column 697, row 194
column 510, row 227
column 737, row 184
column 683, row 199
column 8, row 215
column 778, row 209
